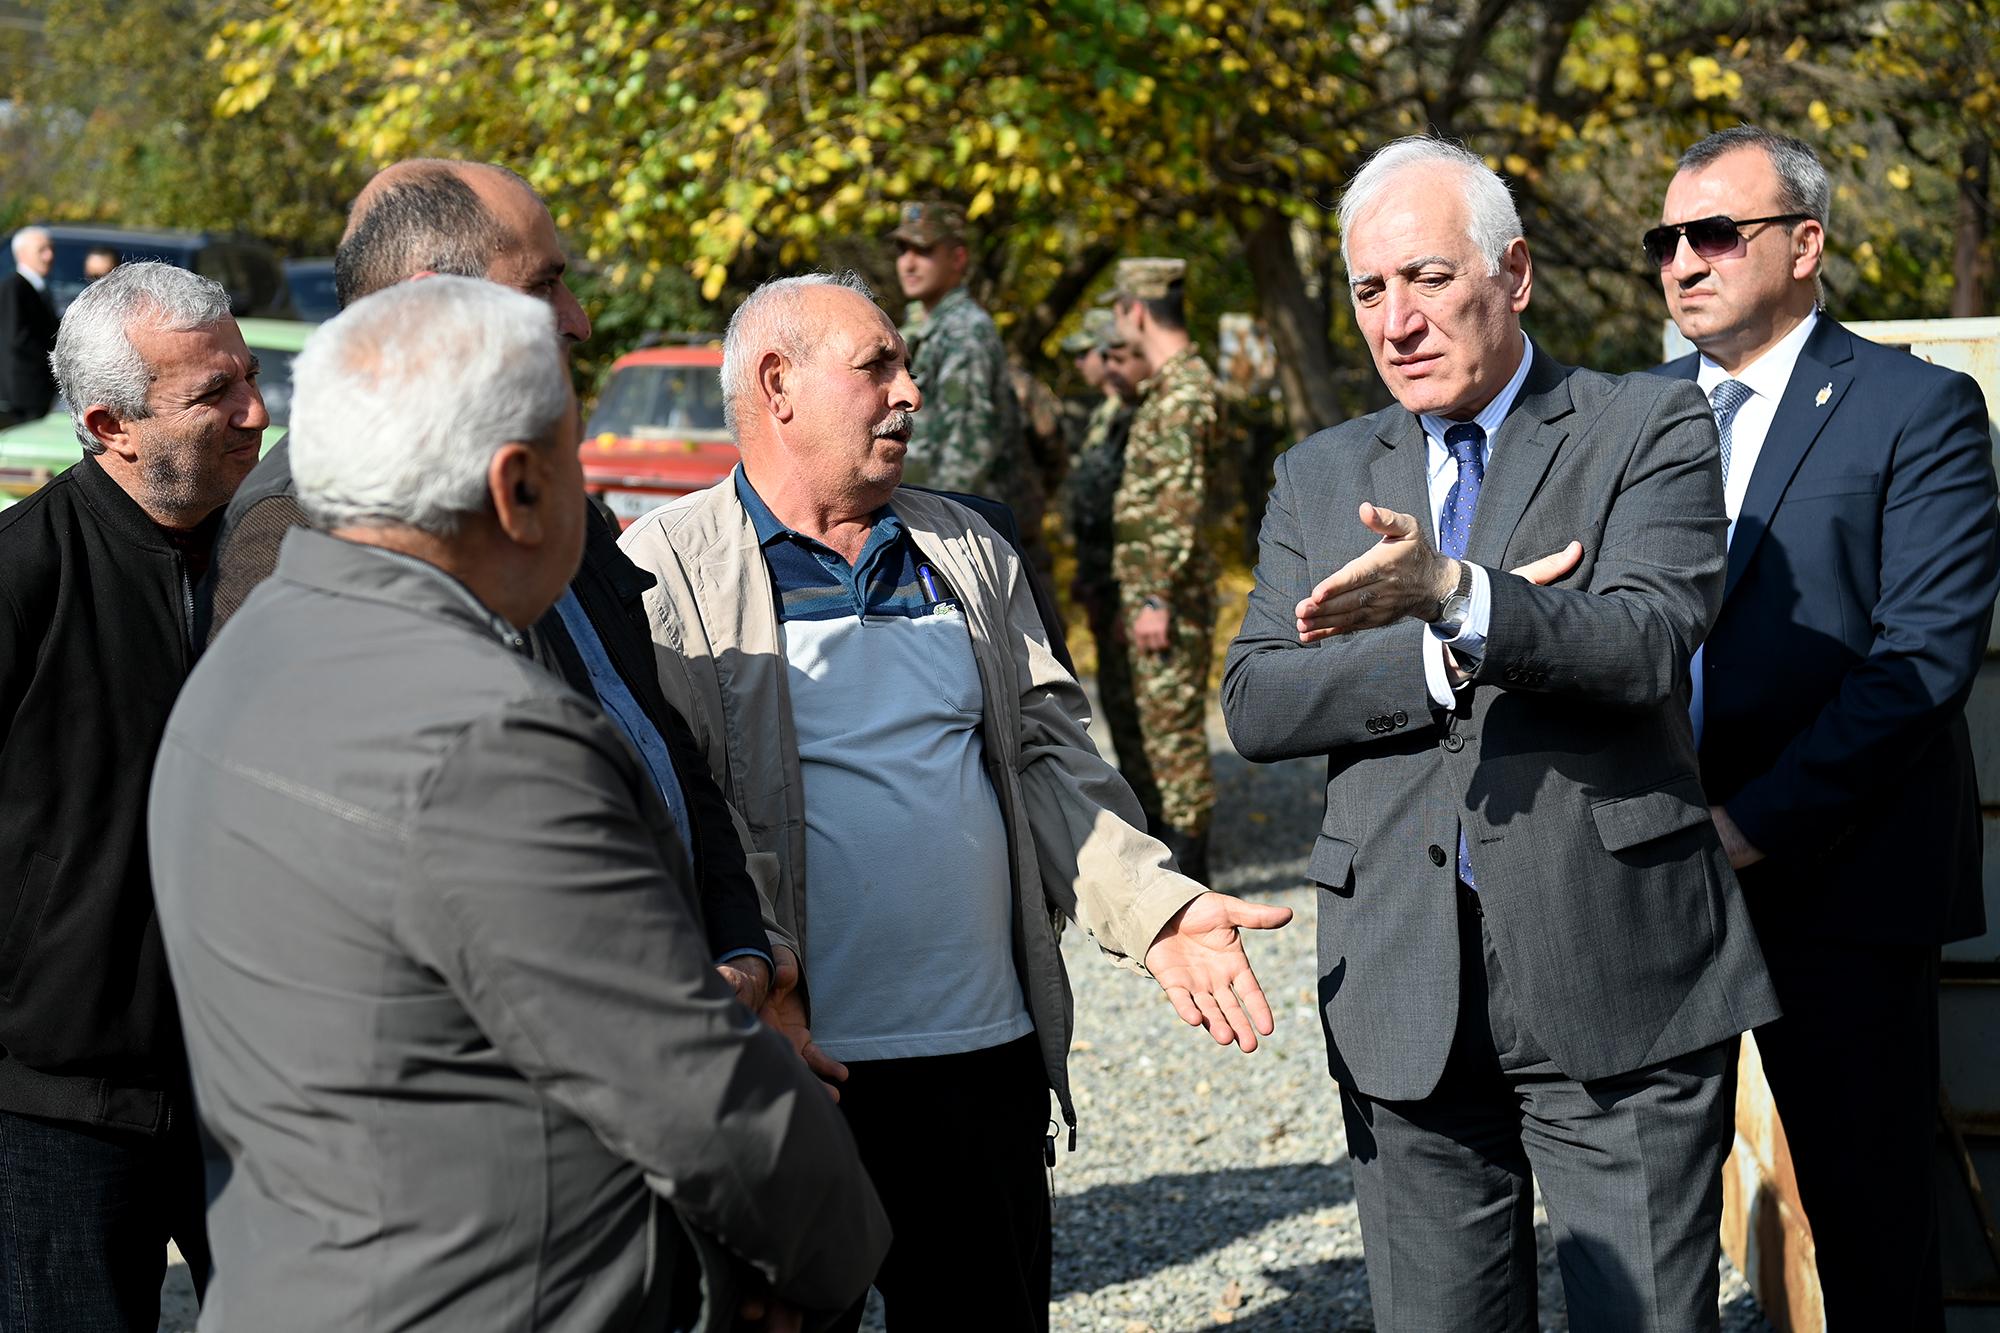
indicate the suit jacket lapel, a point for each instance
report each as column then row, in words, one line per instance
column 1802, row 414
column 1523, row 449
column 1400, row 470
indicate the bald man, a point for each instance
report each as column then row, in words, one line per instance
column 27, row 330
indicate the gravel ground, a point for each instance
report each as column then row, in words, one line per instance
column 1210, row 1188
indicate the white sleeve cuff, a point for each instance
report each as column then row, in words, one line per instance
column 1435, row 676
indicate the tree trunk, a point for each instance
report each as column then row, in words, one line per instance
column 1297, row 321
column 1970, row 265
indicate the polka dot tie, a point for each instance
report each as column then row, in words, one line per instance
column 1727, row 398
column 1467, row 442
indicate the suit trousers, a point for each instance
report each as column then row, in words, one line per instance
column 1630, row 1169
column 954, row 1145
column 1853, row 1067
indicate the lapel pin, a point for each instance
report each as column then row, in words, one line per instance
column 1824, row 394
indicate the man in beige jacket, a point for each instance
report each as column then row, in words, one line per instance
column 865, row 671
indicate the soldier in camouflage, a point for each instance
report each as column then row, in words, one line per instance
column 969, row 437
column 1088, row 494
column 1165, row 570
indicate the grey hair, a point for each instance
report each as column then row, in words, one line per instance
column 400, row 402
column 1491, row 220
column 95, row 362
column 773, row 316
column 22, row 237
column 1803, row 185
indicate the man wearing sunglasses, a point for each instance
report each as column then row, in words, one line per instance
column 1829, row 698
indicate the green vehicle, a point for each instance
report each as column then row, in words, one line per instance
column 34, row 451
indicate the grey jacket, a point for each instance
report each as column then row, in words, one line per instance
column 1570, row 759
column 452, row 1020
column 1074, row 827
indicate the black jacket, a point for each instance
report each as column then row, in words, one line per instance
column 28, row 329
column 96, row 611
column 608, row 585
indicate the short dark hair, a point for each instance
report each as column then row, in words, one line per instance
column 1169, row 311
column 431, row 221
column 105, row 250
column 1803, row 186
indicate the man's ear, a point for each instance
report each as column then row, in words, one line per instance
column 1519, row 267
column 517, row 483
column 774, row 385
column 110, row 430
column 1808, row 248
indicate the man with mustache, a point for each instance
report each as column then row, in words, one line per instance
column 99, row 1161
column 864, row 668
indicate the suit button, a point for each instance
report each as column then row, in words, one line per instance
column 1437, row 855
column 1512, row 673
column 1401, row 718
column 1454, row 742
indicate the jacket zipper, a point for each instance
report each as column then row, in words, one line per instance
column 187, row 607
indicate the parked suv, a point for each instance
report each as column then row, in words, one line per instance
column 246, row 267
column 657, row 431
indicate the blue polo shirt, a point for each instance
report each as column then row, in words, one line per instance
column 909, row 898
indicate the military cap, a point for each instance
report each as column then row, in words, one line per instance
column 1099, row 330
column 926, row 224
column 1145, row 279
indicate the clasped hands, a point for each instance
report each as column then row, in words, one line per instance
column 1401, row 577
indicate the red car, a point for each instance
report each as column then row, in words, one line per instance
column 657, row 432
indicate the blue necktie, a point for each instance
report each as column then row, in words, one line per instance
column 622, row 707
column 1466, row 441
column 1727, row 398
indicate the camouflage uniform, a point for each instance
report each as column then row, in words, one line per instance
column 1161, row 552
column 1089, row 492
column 967, row 436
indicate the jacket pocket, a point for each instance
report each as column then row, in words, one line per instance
column 30, row 901
column 1332, row 863
column 1626, row 821
column 1836, row 483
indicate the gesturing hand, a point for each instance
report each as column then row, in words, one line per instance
column 784, row 1012
column 1198, row 960
column 1401, row 575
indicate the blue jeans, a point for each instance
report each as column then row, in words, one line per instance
column 85, row 1216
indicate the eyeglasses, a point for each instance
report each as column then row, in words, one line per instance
column 1710, row 237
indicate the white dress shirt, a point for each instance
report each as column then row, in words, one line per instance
column 1766, row 378
column 35, row 280
column 1471, row 636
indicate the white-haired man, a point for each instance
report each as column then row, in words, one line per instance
column 1534, row 959
column 27, row 329
column 451, row 1015
column 865, row 669
column 99, row 1161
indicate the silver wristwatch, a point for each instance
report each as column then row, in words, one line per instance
column 1457, row 604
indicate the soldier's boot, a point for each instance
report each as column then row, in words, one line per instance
column 1190, row 851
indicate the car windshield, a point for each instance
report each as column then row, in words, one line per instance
column 662, row 402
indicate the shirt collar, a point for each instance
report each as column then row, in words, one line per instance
column 770, row 528
column 35, row 280
column 1768, row 375
column 1495, row 412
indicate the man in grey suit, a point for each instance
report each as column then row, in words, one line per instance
column 448, row 999
column 1534, row 959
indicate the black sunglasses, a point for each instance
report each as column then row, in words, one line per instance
column 1710, row 237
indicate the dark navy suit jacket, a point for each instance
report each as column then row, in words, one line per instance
column 1860, row 586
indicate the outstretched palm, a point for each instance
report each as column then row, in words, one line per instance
column 1199, row 961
